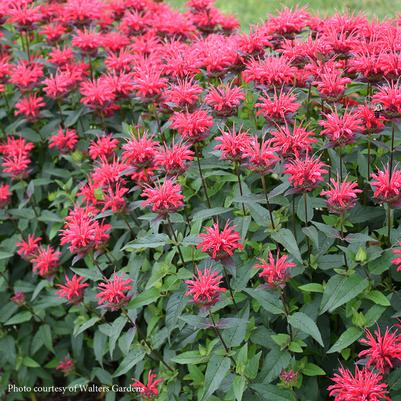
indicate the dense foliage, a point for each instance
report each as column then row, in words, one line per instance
column 193, row 213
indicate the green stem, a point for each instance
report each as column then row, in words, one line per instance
column 269, row 207
column 174, row 237
column 197, row 151
column 238, row 173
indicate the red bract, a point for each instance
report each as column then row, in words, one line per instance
column 305, row 174
column 26, row 74
column 275, row 270
column 384, row 349
column 341, row 129
column 225, row 99
column 164, row 198
column 260, row 156
column 364, row 385
column 204, row 287
column 5, row 195
column 73, row 289
column 174, row 160
column 341, row 196
column 233, row 143
column 386, row 185
column 397, row 260
column 278, row 108
column 140, row 151
column 46, row 261
column 220, row 244
column 64, row 140
column 103, row 147
column 28, row 248
column 192, row 127
column 29, row 106
column 390, row 99
column 183, row 93
column 97, row 94
column 148, row 390
column 83, row 232
column 114, row 199
column 113, row 292
column 66, row 365
column 372, row 122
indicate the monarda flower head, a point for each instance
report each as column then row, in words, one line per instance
column 341, row 196
column 164, row 198
column 364, row 385
column 386, row 185
column 277, row 108
column 64, row 140
column 29, row 106
column 83, row 232
column 113, row 292
column 220, row 244
column 397, row 260
column 73, row 289
column 185, row 93
column 204, row 287
column 383, row 349
column 140, row 151
column 390, row 99
column 103, row 147
column 28, row 248
column 275, row 269
column 66, row 365
column 175, row 159
column 371, row 122
column 305, row 174
column 148, row 390
column 5, row 195
column 18, row 298
column 233, row 143
column 225, row 99
column 290, row 143
column 46, row 261
column 341, row 129
column 259, row 156
column 192, row 127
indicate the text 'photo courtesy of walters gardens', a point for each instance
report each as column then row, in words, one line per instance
column 195, row 210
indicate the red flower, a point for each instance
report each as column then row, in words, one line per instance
column 397, row 260
column 220, row 244
column 260, row 156
column 292, row 143
column 103, row 147
column 5, row 195
column 28, row 249
column 225, row 99
column 29, row 106
column 204, row 287
column 383, row 351
column 73, row 289
column 59, row 85
column 140, row 151
column 387, row 188
column 108, row 173
column 163, row 198
column 341, row 196
column 183, row 93
column 194, row 126
column 18, row 298
column 390, row 98
column 148, row 82
column 61, row 57
column 363, row 386
column 305, row 174
column 149, row 390
column 279, row 108
column 114, row 199
column 174, row 160
column 233, row 143
column 371, row 123
column 87, row 41
column 341, row 130
column 46, row 261
column 331, row 85
column 275, row 270
column 66, row 365
column 26, row 75
column 97, row 93
column 83, row 232
column 112, row 292
column 64, row 141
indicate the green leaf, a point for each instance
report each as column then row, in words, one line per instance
column 286, row 238
column 190, row 357
column 175, row 305
column 136, row 355
column 46, row 335
column 378, row 298
column 266, row 300
column 85, row 326
column 29, row 362
column 269, row 392
column 207, row 213
column 239, row 384
column 303, row 322
column 313, row 370
column 151, row 241
column 145, row 298
column 347, row 338
column 19, row 318
column 118, row 325
column 312, row 287
column 99, row 341
column 341, row 289
column 216, row 371
column 275, row 361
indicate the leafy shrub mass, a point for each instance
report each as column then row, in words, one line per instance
column 194, row 213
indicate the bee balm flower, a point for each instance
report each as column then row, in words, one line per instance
column 341, row 196
column 112, row 293
column 73, row 289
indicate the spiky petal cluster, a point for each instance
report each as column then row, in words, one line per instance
column 46, row 261
column 204, row 287
column 148, row 390
column 73, row 289
column 275, row 269
column 113, row 292
column 233, row 143
column 341, row 196
column 259, row 156
column 220, row 244
column 386, row 185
